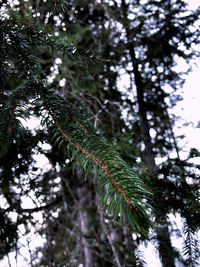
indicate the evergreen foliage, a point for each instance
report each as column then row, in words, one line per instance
column 66, row 126
column 93, row 146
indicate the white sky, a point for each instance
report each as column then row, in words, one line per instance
column 189, row 109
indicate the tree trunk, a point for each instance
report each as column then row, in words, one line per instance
column 163, row 236
column 110, row 235
column 84, row 198
column 164, row 246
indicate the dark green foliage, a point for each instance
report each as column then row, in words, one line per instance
column 94, row 147
column 191, row 245
column 8, row 235
column 125, row 188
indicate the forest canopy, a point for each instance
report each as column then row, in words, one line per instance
column 94, row 78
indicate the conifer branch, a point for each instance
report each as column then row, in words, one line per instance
column 125, row 190
column 191, row 245
column 101, row 164
column 8, row 120
column 122, row 191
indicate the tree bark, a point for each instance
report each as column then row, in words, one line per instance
column 109, row 235
column 163, row 236
column 84, row 198
column 164, row 246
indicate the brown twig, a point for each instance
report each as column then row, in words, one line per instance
column 100, row 163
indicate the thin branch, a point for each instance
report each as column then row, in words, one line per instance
column 29, row 250
column 36, row 209
column 67, row 186
column 8, row 258
column 106, row 231
column 100, row 163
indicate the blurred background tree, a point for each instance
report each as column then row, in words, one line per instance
column 116, row 63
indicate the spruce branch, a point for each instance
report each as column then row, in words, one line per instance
column 13, row 109
column 120, row 188
column 191, row 245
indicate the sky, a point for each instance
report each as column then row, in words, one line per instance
column 189, row 110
